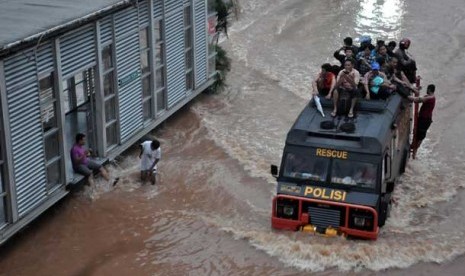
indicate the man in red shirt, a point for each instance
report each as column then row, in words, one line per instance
column 425, row 115
column 324, row 82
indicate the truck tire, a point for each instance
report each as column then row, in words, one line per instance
column 384, row 211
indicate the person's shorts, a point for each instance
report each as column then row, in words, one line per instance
column 88, row 169
column 353, row 93
column 422, row 128
column 323, row 92
column 383, row 94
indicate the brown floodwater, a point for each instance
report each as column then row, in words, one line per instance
column 209, row 213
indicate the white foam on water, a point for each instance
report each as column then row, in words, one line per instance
column 127, row 170
column 240, row 137
column 415, row 232
column 316, row 253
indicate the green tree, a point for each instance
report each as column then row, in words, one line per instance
column 222, row 66
column 222, row 61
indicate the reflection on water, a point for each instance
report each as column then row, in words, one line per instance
column 380, row 18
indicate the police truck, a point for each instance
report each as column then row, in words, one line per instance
column 337, row 175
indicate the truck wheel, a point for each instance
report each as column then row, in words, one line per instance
column 384, row 212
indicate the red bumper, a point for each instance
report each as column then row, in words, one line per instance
column 303, row 217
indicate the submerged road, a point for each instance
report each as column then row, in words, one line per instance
column 209, row 213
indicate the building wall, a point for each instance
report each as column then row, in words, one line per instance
column 27, row 146
column 114, row 79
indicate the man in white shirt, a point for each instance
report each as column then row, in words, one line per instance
column 150, row 154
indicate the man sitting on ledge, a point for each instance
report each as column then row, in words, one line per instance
column 82, row 164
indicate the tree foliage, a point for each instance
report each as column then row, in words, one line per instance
column 222, row 62
column 223, row 66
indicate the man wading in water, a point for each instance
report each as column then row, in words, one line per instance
column 150, row 154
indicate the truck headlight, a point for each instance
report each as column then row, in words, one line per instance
column 358, row 221
column 288, row 210
column 361, row 219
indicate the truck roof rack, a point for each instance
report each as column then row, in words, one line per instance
column 362, row 104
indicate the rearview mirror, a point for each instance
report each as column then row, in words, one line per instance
column 274, row 170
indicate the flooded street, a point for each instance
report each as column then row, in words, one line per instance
column 209, row 213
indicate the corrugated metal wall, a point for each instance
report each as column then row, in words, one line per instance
column 157, row 8
column 172, row 6
column 128, row 70
column 26, row 127
column 143, row 12
column 106, row 30
column 45, row 58
column 175, row 67
column 200, row 42
column 77, row 50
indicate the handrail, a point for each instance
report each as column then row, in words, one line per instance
column 414, row 145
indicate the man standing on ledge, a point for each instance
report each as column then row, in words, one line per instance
column 150, row 154
column 424, row 117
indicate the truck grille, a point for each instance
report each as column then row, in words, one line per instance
column 324, row 217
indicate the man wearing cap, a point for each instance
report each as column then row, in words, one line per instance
column 376, row 84
column 406, row 61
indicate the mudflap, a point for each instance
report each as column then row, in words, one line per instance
column 403, row 162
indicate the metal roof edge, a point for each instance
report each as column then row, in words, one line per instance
column 17, row 46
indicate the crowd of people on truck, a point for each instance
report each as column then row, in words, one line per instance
column 373, row 72
column 368, row 71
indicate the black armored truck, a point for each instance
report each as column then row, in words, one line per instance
column 337, row 174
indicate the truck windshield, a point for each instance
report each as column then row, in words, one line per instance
column 306, row 167
column 354, row 173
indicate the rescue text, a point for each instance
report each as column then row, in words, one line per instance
column 341, row 154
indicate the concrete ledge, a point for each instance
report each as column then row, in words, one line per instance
column 77, row 178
